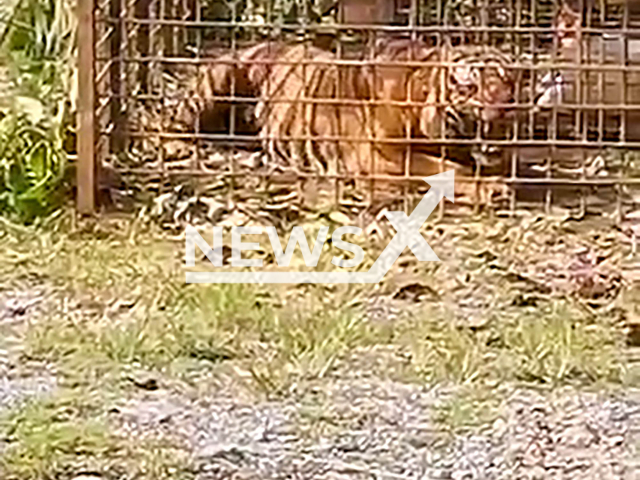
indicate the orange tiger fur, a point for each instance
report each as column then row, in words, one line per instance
column 239, row 75
column 297, row 130
column 381, row 122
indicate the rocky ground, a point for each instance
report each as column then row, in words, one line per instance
column 387, row 431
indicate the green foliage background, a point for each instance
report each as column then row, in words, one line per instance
column 37, row 45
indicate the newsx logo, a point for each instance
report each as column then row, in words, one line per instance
column 283, row 258
column 408, row 235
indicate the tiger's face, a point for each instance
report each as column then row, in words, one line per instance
column 484, row 90
column 471, row 93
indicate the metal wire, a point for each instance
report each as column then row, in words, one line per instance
column 150, row 37
column 207, row 24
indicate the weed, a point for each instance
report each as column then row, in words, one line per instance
column 281, row 337
column 553, row 345
column 37, row 47
column 560, row 346
column 68, row 432
column 468, row 408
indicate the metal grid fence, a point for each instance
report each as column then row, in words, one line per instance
column 561, row 132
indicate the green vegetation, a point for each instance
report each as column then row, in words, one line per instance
column 37, row 63
column 143, row 313
column 552, row 345
column 70, row 432
column 119, row 301
column 122, row 306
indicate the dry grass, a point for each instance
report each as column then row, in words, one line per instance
column 142, row 314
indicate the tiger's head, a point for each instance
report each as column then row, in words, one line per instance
column 478, row 87
column 481, row 84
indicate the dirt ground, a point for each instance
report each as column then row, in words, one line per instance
column 515, row 357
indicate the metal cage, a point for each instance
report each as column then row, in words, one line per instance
column 566, row 139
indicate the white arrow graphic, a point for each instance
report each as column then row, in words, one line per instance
column 408, row 235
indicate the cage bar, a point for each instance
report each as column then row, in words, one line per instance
column 155, row 48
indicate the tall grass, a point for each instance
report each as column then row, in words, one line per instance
column 37, row 54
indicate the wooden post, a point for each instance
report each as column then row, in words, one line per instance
column 85, row 171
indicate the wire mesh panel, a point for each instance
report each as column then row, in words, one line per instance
column 286, row 105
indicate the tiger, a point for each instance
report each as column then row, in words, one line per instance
column 471, row 94
column 283, row 79
column 280, row 113
column 230, row 75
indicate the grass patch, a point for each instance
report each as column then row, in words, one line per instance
column 61, row 436
column 560, row 346
column 188, row 322
column 44, row 436
column 443, row 352
column 276, row 344
column 120, row 257
column 553, row 345
column 161, row 320
column 545, row 348
column 468, row 408
column 303, row 343
column 275, row 337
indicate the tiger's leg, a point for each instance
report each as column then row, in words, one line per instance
column 273, row 119
column 263, row 112
column 276, row 112
column 287, row 122
column 370, row 163
column 323, row 154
